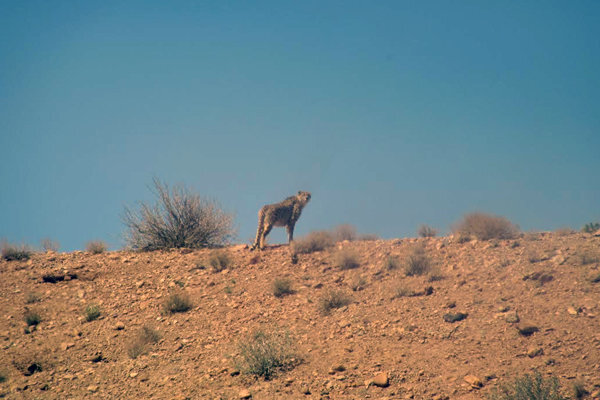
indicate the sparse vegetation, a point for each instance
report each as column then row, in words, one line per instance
column 391, row 263
column 333, row 299
column 346, row 259
column 92, row 312
column 219, row 260
column 368, row 237
column 417, row 262
column 32, row 317
column 358, row 283
column 96, row 247
column 3, row 376
column 314, row 241
column 589, row 256
column 579, row 390
column 435, row 275
column 403, row 291
column 591, row 227
column 264, row 353
column 426, row 231
column 145, row 337
column 344, row 232
column 528, row 388
column 178, row 219
column 49, row 244
column 282, row 287
column 32, row 297
column 177, row 302
column 14, row 252
column 564, row 231
column 486, row 226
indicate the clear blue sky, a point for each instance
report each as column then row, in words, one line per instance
column 392, row 113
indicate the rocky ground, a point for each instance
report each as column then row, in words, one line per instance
column 394, row 340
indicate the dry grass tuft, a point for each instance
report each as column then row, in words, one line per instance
column 177, row 302
column 346, row 259
column 263, row 353
column 417, row 262
column 486, row 226
column 344, row 232
column 92, row 312
column 145, row 337
column 219, row 260
column 528, row 387
column 282, row 287
column 333, row 299
column 391, row 263
column 426, row 231
column 314, row 241
column 13, row 252
column 32, row 317
column 96, row 247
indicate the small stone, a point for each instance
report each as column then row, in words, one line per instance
column 534, row 351
column 133, row 374
column 527, row 330
column 64, row 346
column 503, row 308
column 512, row 317
column 119, row 326
column 381, row 380
column 454, row 317
column 473, row 381
column 336, row 368
column 571, row 310
column 92, row 388
column 245, row 394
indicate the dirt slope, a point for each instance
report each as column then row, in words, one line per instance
column 547, row 279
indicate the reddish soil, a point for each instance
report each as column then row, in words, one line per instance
column 546, row 278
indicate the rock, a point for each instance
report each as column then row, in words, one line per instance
column 92, row 388
column 597, row 233
column 133, row 374
column 245, row 394
column 503, row 308
column 512, row 317
column 473, row 381
column 534, row 351
column 336, row 368
column 64, row 346
column 571, row 310
column 381, row 380
column 119, row 326
column 454, row 317
column 527, row 330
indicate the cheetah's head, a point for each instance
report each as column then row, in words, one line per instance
column 304, row 197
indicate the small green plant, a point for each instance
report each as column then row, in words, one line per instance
column 391, row 263
column 282, row 287
column 485, row 227
column 346, row 259
column 333, row 299
column 314, row 241
column 96, row 247
column 13, row 252
column 139, row 345
column 32, row 317
column 426, row 231
column 591, row 227
column 177, row 302
column 49, row 244
column 92, row 312
column 264, row 353
column 417, row 262
column 528, row 388
column 219, row 260
column 32, row 297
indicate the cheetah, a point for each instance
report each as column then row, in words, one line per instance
column 285, row 213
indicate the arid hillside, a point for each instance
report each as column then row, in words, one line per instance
column 431, row 318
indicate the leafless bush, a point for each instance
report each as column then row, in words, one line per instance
column 368, row 237
column 346, row 259
column 486, row 226
column 282, row 287
column 417, row 262
column 314, row 241
column 96, row 247
column 344, row 232
column 145, row 337
column 49, row 244
column 11, row 252
column 177, row 302
column 427, row 231
column 178, row 219
column 219, row 260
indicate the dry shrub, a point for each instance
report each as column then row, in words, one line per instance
column 49, row 244
column 32, row 317
column 358, row 283
column 564, row 231
column 92, row 312
column 282, row 287
column 528, row 388
column 417, row 262
column 591, row 227
column 178, row 219
column 263, row 353
column 333, row 299
column 219, row 260
column 391, row 263
column 314, row 241
column 486, row 226
column 145, row 337
column 426, row 231
column 368, row 237
column 32, row 297
column 96, row 247
column 346, row 259
column 12, row 252
column 403, row 291
column 344, row 232
column 177, row 302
